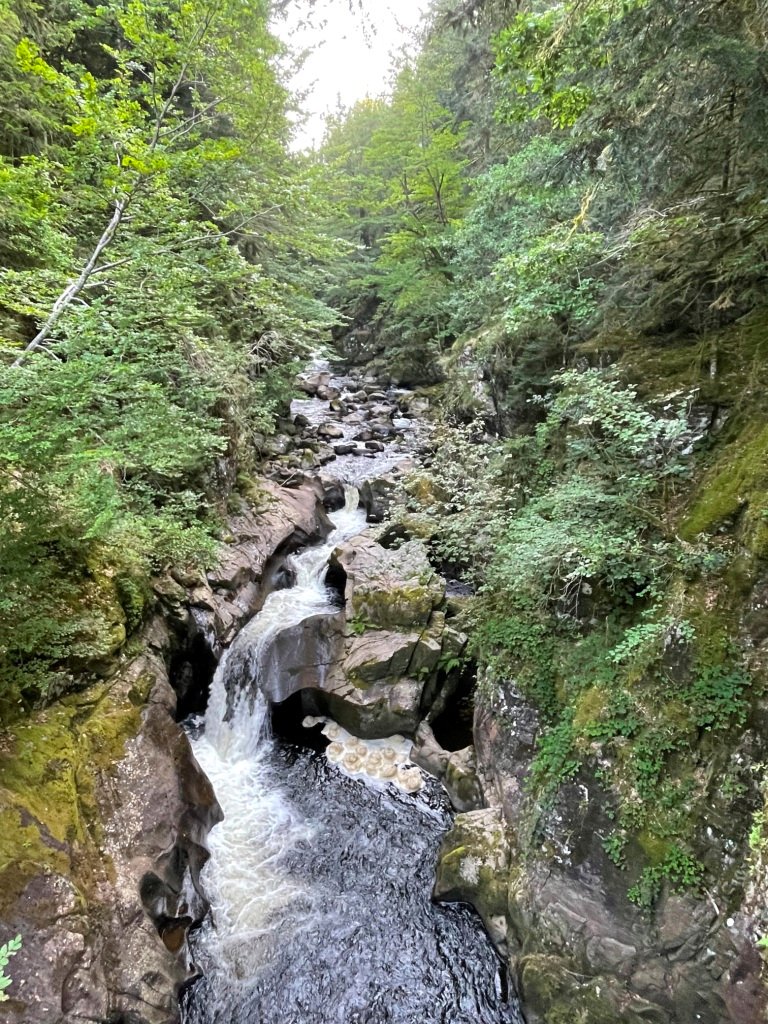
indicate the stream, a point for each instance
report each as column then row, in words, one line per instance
column 320, row 879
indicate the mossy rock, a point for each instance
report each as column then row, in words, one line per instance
column 473, row 863
column 387, row 588
column 49, row 763
column 556, row 992
column 734, row 494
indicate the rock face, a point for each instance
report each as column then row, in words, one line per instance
column 103, row 809
column 233, row 590
column 387, row 588
column 456, row 769
column 579, row 949
column 104, row 816
column 375, row 665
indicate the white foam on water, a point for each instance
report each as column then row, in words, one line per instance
column 243, row 879
column 377, row 763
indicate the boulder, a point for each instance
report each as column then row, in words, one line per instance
column 331, row 431
column 377, row 496
column 326, row 393
column 104, row 816
column 472, row 867
column 387, row 588
column 457, row 770
column 309, row 383
column 362, row 684
column 381, row 411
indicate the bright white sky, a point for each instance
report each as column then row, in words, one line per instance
column 351, row 52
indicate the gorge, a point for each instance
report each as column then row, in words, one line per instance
column 383, row 527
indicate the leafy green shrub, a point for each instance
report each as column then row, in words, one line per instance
column 9, row 949
column 678, row 868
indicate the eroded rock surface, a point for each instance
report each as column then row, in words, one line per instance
column 102, row 801
column 375, row 665
column 103, row 809
column 579, row 949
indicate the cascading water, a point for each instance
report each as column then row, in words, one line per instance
column 243, row 880
column 319, row 883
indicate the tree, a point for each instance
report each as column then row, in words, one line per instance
column 159, row 269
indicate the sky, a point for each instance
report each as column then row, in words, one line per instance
column 350, row 56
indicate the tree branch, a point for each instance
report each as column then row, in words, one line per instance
column 73, row 289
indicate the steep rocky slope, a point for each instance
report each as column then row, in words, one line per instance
column 103, row 809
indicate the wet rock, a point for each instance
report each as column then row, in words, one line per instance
column 309, row 383
column 374, row 446
column 325, row 454
column 107, row 793
column 473, row 863
column 383, row 430
column 331, row 431
column 381, row 411
column 317, row 656
column 345, row 448
column 377, row 496
column 326, row 393
column 288, row 516
column 461, row 780
column 427, row 753
column 376, row 712
column 388, row 588
column 334, row 495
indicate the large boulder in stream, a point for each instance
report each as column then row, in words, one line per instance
column 372, row 684
column 374, row 665
column 103, row 819
column 387, row 588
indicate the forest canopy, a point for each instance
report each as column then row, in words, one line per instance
column 158, row 277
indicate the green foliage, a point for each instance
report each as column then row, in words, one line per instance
column 7, row 950
column 563, row 534
column 169, row 339
column 678, row 868
column 555, row 758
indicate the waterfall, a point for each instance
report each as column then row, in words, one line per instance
column 320, row 884
column 242, row 882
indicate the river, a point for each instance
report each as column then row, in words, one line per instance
column 320, row 877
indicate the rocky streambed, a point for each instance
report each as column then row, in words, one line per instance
column 107, row 813
column 107, row 817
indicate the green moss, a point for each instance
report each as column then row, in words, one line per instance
column 589, row 707
column 654, row 849
column 553, row 987
column 728, row 366
column 737, row 485
column 49, row 765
